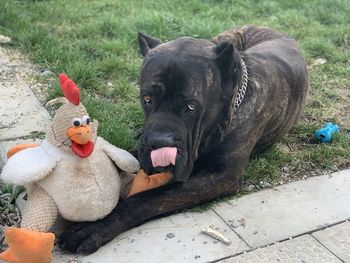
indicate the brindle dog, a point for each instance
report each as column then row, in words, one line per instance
column 190, row 93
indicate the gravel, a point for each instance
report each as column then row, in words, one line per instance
column 9, row 212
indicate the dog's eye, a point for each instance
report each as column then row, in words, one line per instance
column 191, row 107
column 76, row 122
column 147, row 99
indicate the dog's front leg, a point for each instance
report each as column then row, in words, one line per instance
column 201, row 187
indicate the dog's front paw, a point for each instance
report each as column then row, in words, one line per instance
column 86, row 238
column 79, row 239
column 91, row 244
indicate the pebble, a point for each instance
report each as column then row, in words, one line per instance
column 266, row 184
column 170, row 235
column 45, row 73
column 334, row 168
column 4, row 39
column 4, row 61
column 285, row 169
column 319, row 61
column 250, row 187
column 197, row 256
column 235, row 225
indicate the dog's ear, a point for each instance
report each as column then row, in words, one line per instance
column 226, row 56
column 228, row 61
column 147, row 42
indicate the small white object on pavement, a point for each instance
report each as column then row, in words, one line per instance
column 216, row 234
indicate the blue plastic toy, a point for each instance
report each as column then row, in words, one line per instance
column 325, row 133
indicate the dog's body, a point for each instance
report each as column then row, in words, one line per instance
column 189, row 90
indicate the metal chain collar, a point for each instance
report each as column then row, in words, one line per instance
column 243, row 88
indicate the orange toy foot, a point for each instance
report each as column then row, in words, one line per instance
column 20, row 147
column 142, row 182
column 26, row 246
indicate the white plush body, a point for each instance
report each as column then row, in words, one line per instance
column 83, row 189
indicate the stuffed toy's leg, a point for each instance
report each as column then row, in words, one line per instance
column 40, row 212
column 143, row 182
column 30, row 244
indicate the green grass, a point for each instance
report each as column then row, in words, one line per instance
column 95, row 43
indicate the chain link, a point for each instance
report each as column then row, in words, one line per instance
column 243, row 88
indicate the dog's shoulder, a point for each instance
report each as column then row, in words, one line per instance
column 248, row 36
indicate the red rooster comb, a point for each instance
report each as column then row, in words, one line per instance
column 70, row 89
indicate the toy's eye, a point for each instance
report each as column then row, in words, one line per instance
column 85, row 120
column 76, row 122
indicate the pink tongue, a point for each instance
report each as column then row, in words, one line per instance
column 163, row 156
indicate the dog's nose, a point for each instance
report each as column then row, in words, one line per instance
column 157, row 140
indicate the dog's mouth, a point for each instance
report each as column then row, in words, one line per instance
column 165, row 159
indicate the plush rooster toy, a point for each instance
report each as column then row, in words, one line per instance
column 73, row 172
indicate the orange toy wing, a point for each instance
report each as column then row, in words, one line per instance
column 17, row 148
column 142, row 182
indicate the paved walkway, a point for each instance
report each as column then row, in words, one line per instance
column 305, row 221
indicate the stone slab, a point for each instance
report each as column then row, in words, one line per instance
column 302, row 249
column 336, row 239
column 289, row 210
column 20, row 112
column 176, row 238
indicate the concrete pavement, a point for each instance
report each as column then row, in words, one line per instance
column 304, row 221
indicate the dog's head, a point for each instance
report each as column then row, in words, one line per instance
column 186, row 87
